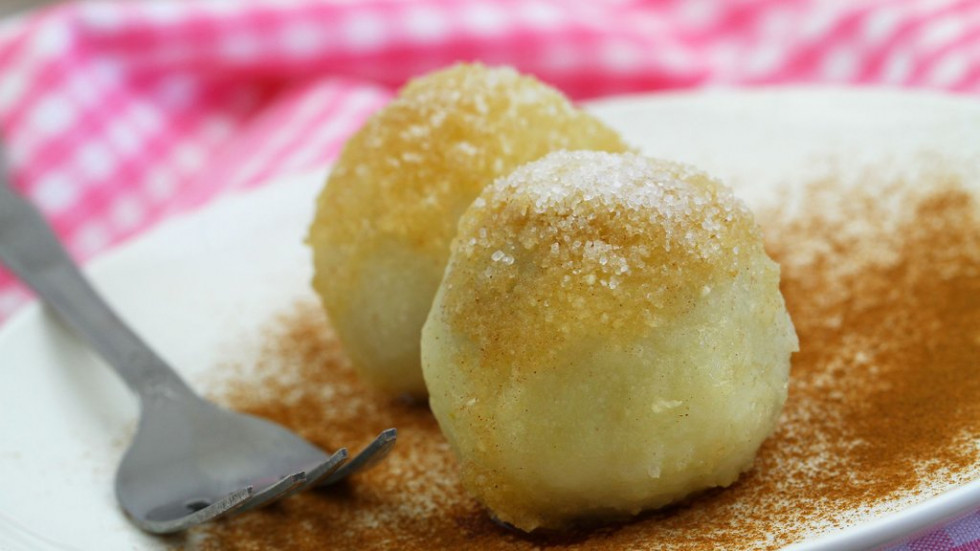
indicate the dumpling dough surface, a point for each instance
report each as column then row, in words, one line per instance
column 386, row 217
column 609, row 337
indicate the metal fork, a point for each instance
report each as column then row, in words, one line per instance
column 190, row 460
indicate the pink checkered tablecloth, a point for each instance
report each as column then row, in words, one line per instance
column 116, row 115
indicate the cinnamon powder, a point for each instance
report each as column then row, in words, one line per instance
column 883, row 405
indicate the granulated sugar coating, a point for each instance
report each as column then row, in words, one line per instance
column 882, row 402
column 613, row 228
column 608, row 338
column 386, row 217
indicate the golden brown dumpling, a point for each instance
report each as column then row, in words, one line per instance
column 609, row 337
column 386, row 217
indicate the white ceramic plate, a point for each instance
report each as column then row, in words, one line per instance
column 201, row 285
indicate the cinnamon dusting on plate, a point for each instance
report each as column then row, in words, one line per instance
column 882, row 407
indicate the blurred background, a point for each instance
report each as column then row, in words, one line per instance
column 12, row 7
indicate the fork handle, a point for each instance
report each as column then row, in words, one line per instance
column 29, row 248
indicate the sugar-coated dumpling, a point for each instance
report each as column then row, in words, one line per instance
column 609, row 337
column 386, row 217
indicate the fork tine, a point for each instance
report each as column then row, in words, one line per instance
column 274, row 491
column 325, row 469
column 228, row 504
column 295, row 483
column 374, row 452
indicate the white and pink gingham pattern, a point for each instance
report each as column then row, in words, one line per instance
column 115, row 115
